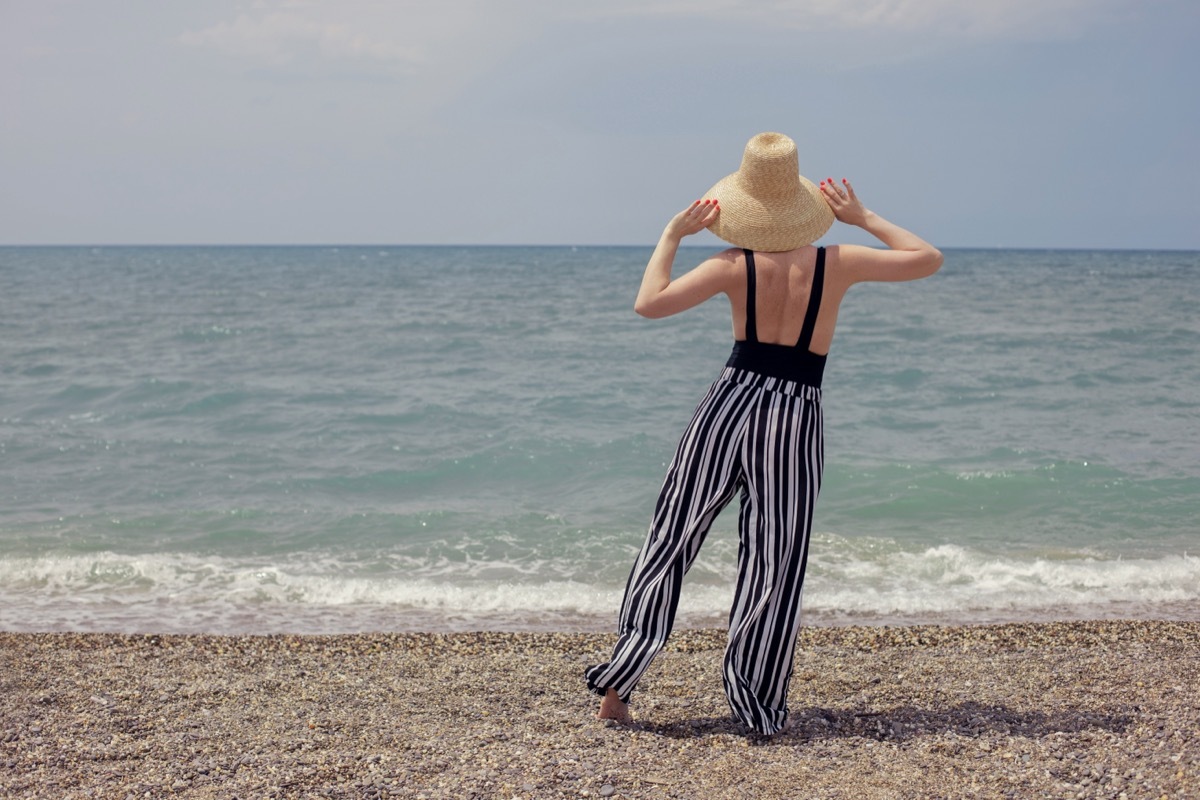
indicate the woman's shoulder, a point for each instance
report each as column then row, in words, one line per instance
column 728, row 260
column 729, row 255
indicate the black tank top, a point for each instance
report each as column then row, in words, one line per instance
column 791, row 363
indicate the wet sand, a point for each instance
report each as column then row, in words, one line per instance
column 1077, row 709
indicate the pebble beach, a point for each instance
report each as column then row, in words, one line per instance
column 1074, row 710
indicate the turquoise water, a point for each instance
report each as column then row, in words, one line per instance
column 311, row 439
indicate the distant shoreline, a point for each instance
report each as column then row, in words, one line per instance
column 717, row 245
column 389, row 620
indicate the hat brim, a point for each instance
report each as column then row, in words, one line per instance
column 770, row 224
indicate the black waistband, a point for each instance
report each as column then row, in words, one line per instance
column 778, row 361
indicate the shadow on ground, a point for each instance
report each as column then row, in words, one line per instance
column 899, row 724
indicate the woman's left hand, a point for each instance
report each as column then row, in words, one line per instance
column 693, row 219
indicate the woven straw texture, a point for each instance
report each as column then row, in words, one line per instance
column 767, row 204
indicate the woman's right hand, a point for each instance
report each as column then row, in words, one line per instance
column 693, row 219
column 844, row 202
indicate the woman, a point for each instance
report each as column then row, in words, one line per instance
column 758, row 431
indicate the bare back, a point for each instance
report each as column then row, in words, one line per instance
column 784, row 286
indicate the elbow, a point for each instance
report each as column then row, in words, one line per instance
column 936, row 259
column 646, row 310
column 647, row 305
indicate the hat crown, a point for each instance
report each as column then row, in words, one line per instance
column 770, row 166
column 767, row 204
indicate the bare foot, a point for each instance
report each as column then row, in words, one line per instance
column 611, row 707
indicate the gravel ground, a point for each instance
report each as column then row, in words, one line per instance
column 1079, row 709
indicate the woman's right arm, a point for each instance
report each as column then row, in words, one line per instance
column 908, row 258
column 662, row 296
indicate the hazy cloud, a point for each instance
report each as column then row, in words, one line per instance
column 285, row 37
column 978, row 18
column 450, row 41
column 403, row 37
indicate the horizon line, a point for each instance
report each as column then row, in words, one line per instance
column 93, row 245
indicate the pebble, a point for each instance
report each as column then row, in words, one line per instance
column 1043, row 709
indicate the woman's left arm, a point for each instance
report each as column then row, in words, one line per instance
column 659, row 296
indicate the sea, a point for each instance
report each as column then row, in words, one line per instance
column 318, row 439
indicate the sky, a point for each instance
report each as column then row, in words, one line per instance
column 989, row 123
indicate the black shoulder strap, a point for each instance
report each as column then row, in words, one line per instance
column 814, row 302
column 751, row 321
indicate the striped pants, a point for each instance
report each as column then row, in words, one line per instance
column 762, row 436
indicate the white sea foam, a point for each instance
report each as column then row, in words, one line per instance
column 951, row 580
column 184, row 593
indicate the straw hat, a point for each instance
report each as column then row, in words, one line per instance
column 767, row 204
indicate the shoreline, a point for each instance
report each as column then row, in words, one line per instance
column 1062, row 709
column 369, row 619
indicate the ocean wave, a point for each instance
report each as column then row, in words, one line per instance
column 951, row 579
column 313, row 593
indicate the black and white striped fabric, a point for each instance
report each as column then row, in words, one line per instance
column 761, row 436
